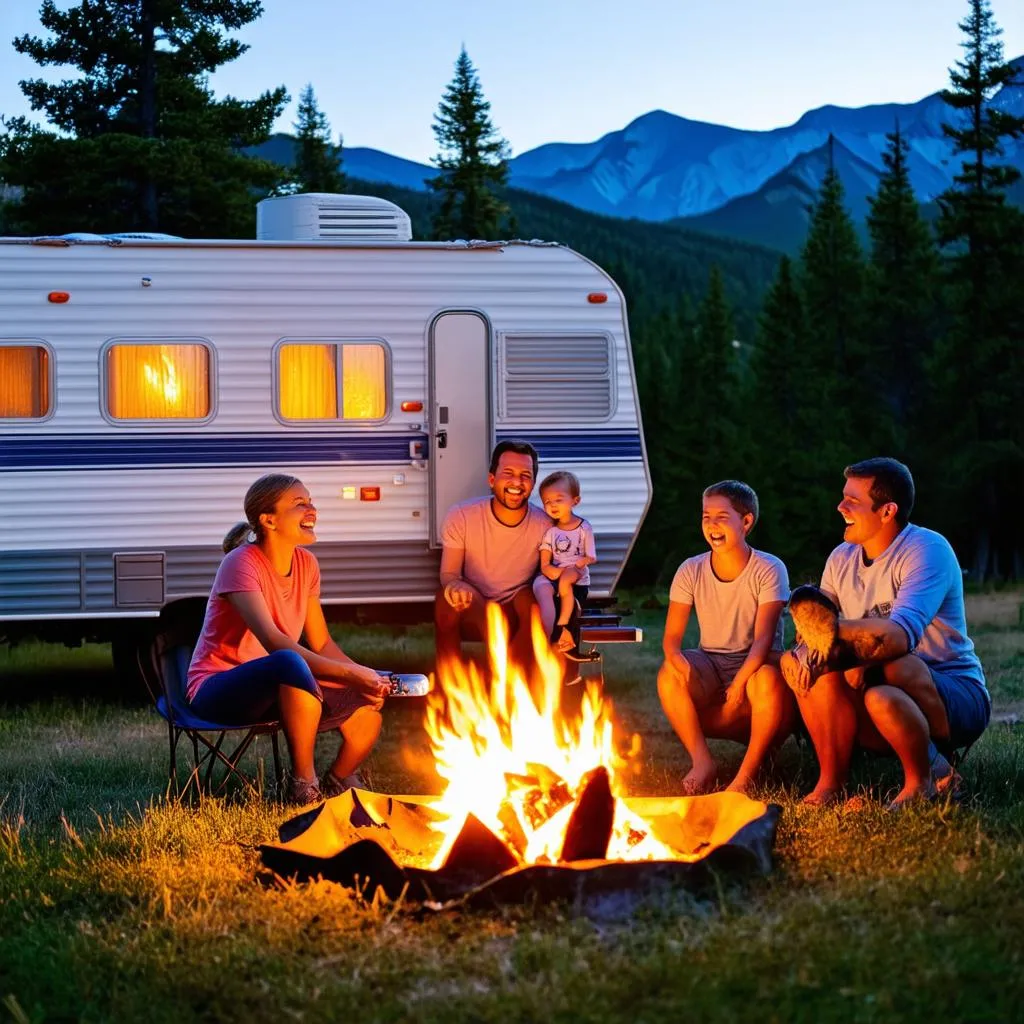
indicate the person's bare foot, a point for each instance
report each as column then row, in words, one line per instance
column 699, row 779
column 741, row 784
column 823, row 796
column 925, row 792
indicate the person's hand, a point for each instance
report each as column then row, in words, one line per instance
column 565, row 640
column 581, row 563
column 459, row 595
column 372, row 683
column 735, row 694
column 855, row 677
column 796, row 673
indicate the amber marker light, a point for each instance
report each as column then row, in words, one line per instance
column 369, row 494
column 595, row 298
column 58, row 297
column 412, row 407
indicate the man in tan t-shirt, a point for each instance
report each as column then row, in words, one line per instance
column 489, row 553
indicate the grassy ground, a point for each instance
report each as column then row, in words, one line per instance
column 117, row 904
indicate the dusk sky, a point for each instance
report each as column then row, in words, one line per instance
column 570, row 71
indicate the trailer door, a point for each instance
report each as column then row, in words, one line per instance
column 462, row 427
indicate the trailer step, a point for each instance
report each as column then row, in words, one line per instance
column 610, row 634
column 589, row 618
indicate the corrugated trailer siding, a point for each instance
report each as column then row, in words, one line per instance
column 348, row 572
column 245, row 299
column 172, row 508
column 169, row 508
column 40, row 582
column 99, row 580
column 47, row 583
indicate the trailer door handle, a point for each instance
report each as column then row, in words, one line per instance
column 442, row 438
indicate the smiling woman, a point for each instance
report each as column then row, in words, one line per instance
column 249, row 666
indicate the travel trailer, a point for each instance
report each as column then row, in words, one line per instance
column 146, row 381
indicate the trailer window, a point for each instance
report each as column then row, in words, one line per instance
column 158, row 382
column 558, row 378
column 315, row 381
column 24, row 382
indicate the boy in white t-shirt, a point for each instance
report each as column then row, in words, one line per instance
column 729, row 687
column 566, row 554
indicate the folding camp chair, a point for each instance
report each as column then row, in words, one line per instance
column 163, row 665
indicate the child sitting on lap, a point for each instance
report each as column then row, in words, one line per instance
column 730, row 687
column 566, row 554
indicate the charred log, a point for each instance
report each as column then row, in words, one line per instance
column 478, row 852
column 590, row 825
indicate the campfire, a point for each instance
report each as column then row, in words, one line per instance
column 545, row 782
column 533, row 801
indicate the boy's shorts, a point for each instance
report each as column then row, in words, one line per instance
column 967, row 710
column 718, row 670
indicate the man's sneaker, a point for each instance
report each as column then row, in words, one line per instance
column 302, row 792
column 331, row 785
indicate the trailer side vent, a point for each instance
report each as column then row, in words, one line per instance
column 555, row 378
column 324, row 216
column 139, row 579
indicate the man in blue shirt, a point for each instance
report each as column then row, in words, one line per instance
column 896, row 670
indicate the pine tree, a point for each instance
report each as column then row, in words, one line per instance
column 791, row 458
column 840, row 414
column 317, row 160
column 980, row 367
column 833, row 284
column 473, row 161
column 903, row 290
column 713, row 383
column 144, row 145
column 693, row 430
column 770, row 407
column 840, row 351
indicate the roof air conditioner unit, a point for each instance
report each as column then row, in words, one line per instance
column 324, row 216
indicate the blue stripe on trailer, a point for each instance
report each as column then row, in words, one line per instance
column 140, row 451
column 585, row 446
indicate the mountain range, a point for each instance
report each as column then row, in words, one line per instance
column 753, row 185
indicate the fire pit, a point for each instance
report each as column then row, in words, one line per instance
column 530, row 809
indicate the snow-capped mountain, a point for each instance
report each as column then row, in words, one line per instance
column 663, row 167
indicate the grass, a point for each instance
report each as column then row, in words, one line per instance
column 119, row 904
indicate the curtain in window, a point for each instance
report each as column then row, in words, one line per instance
column 24, row 381
column 363, row 389
column 155, row 382
column 308, row 382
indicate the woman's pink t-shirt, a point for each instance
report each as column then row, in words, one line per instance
column 226, row 641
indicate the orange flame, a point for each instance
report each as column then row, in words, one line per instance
column 510, row 757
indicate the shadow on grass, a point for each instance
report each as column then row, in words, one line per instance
column 26, row 687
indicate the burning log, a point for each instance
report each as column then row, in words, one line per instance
column 590, row 825
column 543, row 793
column 512, row 830
column 478, row 852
